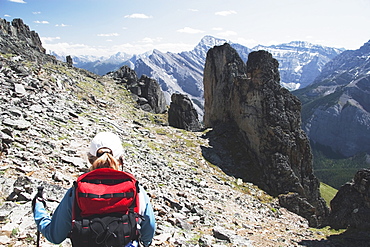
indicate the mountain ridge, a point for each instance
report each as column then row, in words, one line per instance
column 336, row 116
column 297, row 67
column 340, row 93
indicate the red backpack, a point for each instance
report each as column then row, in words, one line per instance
column 106, row 207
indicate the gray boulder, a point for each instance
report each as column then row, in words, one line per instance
column 350, row 208
column 182, row 113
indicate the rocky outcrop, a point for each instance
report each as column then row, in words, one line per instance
column 17, row 38
column 152, row 93
column 350, row 208
column 69, row 61
column 146, row 91
column 22, row 32
column 182, row 114
column 262, row 119
column 299, row 64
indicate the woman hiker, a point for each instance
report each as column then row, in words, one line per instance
column 105, row 152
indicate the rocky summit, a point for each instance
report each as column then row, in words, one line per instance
column 17, row 38
column 49, row 112
column 146, row 91
column 269, row 148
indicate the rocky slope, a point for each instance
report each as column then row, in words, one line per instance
column 50, row 112
column 336, row 106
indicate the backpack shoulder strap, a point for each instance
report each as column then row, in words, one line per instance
column 75, row 208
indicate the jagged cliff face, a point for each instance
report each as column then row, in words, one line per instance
column 146, row 91
column 16, row 38
column 22, row 32
column 248, row 100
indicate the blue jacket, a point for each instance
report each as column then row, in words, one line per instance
column 56, row 228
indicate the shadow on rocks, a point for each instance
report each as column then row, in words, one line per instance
column 349, row 238
column 227, row 150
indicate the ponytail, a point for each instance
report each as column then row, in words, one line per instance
column 105, row 159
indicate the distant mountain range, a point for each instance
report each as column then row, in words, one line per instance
column 300, row 62
column 336, row 106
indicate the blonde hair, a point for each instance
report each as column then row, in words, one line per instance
column 104, row 159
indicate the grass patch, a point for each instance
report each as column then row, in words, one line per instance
column 161, row 131
column 154, row 146
column 328, row 231
column 15, row 232
column 327, row 192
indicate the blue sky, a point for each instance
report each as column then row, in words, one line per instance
column 105, row 27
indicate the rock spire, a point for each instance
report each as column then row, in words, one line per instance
column 258, row 121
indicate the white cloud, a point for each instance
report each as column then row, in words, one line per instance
column 151, row 40
column 189, row 30
column 7, row 15
column 147, row 40
column 217, row 28
column 129, row 48
column 140, row 48
column 108, row 34
column 49, row 39
column 41, row 22
column 227, row 33
column 226, row 12
column 17, row 1
column 174, row 47
column 74, row 49
column 193, row 10
column 36, row 13
column 138, row 16
column 246, row 42
column 61, row 25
